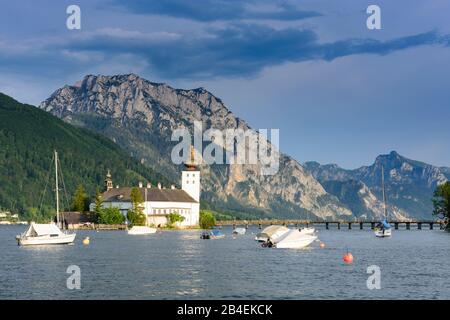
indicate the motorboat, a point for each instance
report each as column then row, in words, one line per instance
column 239, row 231
column 51, row 233
column 213, row 234
column 293, row 239
column 271, row 232
column 141, row 230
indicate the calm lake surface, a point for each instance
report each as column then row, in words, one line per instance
column 179, row 265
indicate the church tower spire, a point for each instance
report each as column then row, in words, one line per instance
column 190, row 177
column 108, row 181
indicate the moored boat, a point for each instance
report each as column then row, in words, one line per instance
column 293, row 239
column 213, row 234
column 271, row 232
column 141, row 230
column 239, row 231
column 44, row 234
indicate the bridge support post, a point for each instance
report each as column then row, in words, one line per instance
column 361, row 225
column 372, row 225
column 396, row 225
column 408, row 226
column 327, row 226
column 349, row 226
column 419, row 225
column 259, row 226
column 339, row 225
column 431, row 225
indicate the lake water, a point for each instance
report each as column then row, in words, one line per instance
column 178, row 265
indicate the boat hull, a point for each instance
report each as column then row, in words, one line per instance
column 383, row 233
column 46, row 240
column 296, row 243
column 141, row 231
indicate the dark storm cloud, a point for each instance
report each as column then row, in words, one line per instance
column 213, row 10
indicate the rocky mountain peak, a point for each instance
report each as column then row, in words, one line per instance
column 141, row 115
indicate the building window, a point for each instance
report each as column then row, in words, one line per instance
column 187, row 174
column 187, row 181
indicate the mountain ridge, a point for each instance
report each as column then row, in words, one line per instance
column 29, row 136
column 145, row 113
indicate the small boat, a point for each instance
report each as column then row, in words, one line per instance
column 39, row 234
column 141, row 230
column 213, row 234
column 293, row 239
column 383, row 229
column 239, row 231
column 43, row 234
column 271, row 232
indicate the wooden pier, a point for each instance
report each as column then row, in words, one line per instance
column 332, row 224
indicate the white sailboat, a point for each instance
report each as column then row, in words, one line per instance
column 383, row 229
column 44, row 234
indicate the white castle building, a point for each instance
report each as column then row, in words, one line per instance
column 159, row 201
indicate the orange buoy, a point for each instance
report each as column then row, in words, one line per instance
column 348, row 258
column 86, row 241
column 322, row 245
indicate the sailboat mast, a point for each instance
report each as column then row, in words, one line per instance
column 384, row 193
column 56, row 189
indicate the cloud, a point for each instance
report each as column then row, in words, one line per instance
column 217, row 10
column 236, row 50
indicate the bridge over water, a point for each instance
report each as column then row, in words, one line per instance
column 336, row 224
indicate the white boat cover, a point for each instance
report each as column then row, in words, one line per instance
column 239, row 230
column 293, row 239
column 273, row 232
column 37, row 230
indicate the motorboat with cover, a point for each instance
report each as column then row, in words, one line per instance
column 213, row 234
column 271, row 232
column 239, row 231
column 293, row 239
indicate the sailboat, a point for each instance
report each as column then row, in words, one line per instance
column 383, row 228
column 51, row 233
column 142, row 230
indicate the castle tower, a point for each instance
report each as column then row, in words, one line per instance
column 190, row 177
column 108, row 181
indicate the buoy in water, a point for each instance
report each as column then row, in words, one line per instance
column 348, row 258
column 322, row 245
column 86, row 241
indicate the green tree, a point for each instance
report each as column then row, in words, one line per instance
column 111, row 215
column 136, row 215
column 136, row 198
column 136, row 218
column 80, row 200
column 441, row 201
column 174, row 218
column 207, row 219
column 98, row 208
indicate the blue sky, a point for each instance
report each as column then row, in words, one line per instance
column 338, row 92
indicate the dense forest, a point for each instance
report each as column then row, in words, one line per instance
column 28, row 137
